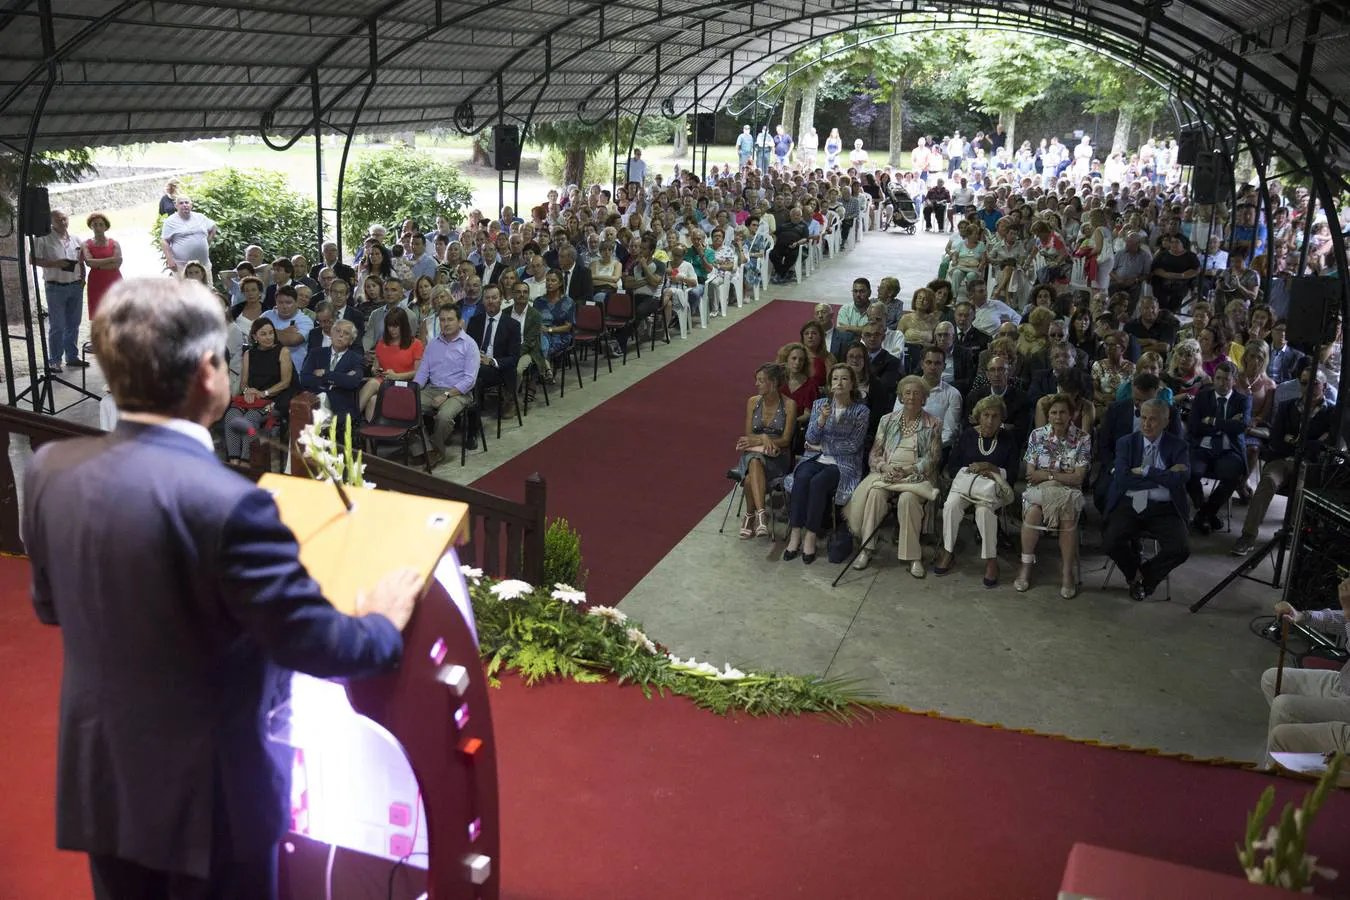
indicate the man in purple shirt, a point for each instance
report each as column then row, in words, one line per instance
column 448, row 371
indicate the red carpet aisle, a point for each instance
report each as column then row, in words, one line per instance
column 638, row 472
column 609, row 796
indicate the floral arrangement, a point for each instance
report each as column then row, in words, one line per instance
column 1286, row 864
column 551, row 633
column 328, row 456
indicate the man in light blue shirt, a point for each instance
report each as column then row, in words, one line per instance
column 422, row 262
column 447, row 375
column 293, row 327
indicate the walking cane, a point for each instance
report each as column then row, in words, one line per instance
column 1279, row 666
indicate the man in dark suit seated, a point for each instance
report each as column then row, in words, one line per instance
column 1218, row 423
column 492, row 267
column 497, row 335
column 181, row 619
column 339, row 297
column 1147, row 498
column 1120, row 419
column 577, row 282
column 967, row 335
column 886, row 368
column 1047, row 381
column 337, row 372
column 1018, row 419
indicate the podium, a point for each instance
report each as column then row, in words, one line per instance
column 394, row 781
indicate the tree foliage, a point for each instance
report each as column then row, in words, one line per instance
column 584, row 147
column 46, row 168
column 399, row 183
column 250, row 206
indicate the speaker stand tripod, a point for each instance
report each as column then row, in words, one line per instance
column 42, row 388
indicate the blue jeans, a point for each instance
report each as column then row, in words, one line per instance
column 64, row 303
column 813, row 486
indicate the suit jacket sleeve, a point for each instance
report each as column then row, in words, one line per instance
column 41, row 587
column 314, row 360
column 508, row 345
column 352, row 374
column 268, row 591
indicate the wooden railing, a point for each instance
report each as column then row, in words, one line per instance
column 506, row 539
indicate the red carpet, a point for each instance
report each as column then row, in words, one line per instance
column 609, row 796
column 638, row 472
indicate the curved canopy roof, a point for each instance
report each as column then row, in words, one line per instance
column 122, row 71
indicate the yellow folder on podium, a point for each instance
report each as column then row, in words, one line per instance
column 348, row 552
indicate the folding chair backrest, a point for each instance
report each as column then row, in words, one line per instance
column 590, row 317
column 397, row 405
column 620, row 306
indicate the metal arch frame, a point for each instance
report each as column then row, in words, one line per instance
column 41, row 393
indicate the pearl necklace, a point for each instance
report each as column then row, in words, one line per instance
column 979, row 442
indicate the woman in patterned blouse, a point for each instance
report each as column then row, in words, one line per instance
column 831, row 465
column 1057, row 459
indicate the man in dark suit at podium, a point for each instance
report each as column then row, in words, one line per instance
column 1147, row 498
column 182, row 605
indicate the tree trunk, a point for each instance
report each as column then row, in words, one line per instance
column 1147, row 131
column 680, row 137
column 794, row 93
column 1008, row 119
column 574, row 165
column 897, row 121
column 480, row 156
column 809, row 91
column 1124, row 124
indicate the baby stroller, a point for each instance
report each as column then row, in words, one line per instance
column 905, row 215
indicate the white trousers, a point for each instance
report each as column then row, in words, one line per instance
column 867, row 507
column 1311, row 714
column 984, row 490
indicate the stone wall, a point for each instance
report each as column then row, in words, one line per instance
column 113, row 193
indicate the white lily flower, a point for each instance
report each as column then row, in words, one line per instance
column 568, row 594
column 608, row 612
column 730, row 674
column 636, row 636
column 1267, row 842
column 511, row 589
column 471, row 574
column 704, row 668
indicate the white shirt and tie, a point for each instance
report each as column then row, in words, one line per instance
column 1141, row 498
column 490, row 335
column 1218, row 441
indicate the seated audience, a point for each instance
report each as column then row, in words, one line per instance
column 903, row 462
column 1279, row 469
column 336, row 371
column 1184, row 375
column 1213, row 349
column 1057, row 459
column 1150, row 364
column 943, row 400
column 531, row 326
column 1151, row 329
column 981, row 468
column 397, row 356
column 447, row 375
column 766, row 446
column 1216, row 430
column 822, row 360
column 497, row 335
column 1120, row 419
column 831, row 465
column 1283, row 357
column 799, row 384
column 1147, row 498
column 1015, row 415
column 1253, row 381
column 264, row 379
column 1311, row 714
column 1073, row 385
column 1111, row 371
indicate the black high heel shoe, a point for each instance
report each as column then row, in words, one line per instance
column 789, row 555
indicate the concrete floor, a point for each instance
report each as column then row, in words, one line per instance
column 1097, row 667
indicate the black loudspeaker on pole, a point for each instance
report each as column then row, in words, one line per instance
column 1314, row 304
column 705, row 128
column 506, row 147
column 1212, row 178
column 37, row 212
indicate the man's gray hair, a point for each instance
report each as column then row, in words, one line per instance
column 1157, row 404
column 345, row 325
column 150, row 336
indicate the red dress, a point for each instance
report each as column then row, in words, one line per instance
column 804, row 396
column 100, row 279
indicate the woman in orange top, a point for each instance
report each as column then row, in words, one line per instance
column 397, row 356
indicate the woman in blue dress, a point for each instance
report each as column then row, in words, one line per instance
column 558, row 316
